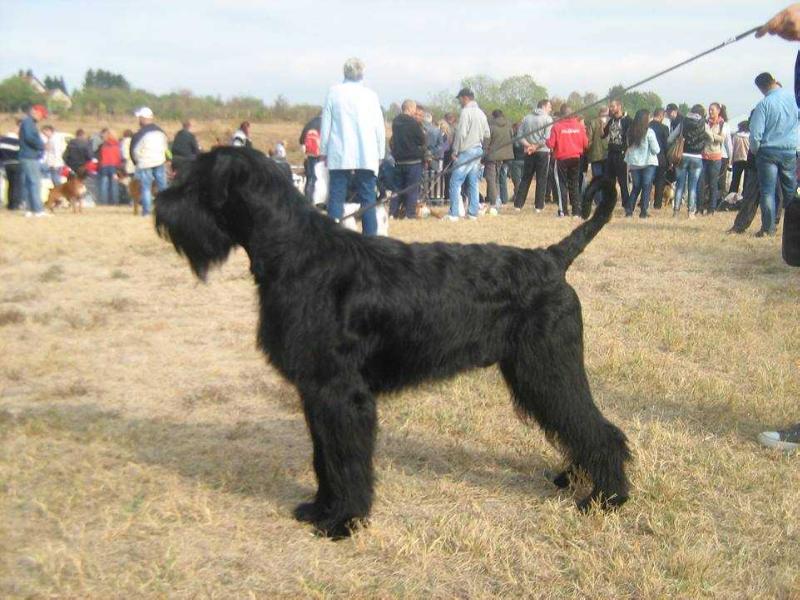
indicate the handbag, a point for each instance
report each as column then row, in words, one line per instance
column 675, row 152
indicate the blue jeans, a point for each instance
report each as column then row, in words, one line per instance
column 775, row 166
column 711, row 171
column 146, row 178
column 599, row 170
column 109, row 190
column 406, row 176
column 468, row 167
column 31, row 178
column 689, row 169
column 363, row 182
column 642, row 182
column 55, row 175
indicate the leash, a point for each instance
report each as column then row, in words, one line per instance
column 456, row 164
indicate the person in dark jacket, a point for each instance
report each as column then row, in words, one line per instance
column 616, row 131
column 184, row 148
column 309, row 140
column 31, row 150
column 78, row 151
column 408, row 146
column 498, row 160
column 662, row 135
column 9, row 159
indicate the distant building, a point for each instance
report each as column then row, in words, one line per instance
column 56, row 97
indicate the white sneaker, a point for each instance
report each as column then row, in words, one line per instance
column 28, row 213
column 538, row 210
column 493, row 211
column 472, row 217
column 452, row 219
column 517, row 210
column 43, row 214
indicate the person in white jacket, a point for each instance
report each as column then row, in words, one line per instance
column 353, row 143
column 54, row 146
column 149, row 153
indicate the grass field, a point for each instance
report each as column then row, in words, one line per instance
column 149, row 452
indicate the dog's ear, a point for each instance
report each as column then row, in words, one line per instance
column 187, row 214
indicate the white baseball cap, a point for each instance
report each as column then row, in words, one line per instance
column 144, row 112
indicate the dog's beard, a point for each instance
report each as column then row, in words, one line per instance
column 193, row 231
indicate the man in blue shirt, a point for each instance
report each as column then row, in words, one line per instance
column 773, row 140
column 31, row 149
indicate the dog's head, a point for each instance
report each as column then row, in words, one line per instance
column 214, row 206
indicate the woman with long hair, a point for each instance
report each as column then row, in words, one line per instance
column 696, row 133
column 712, row 155
column 642, row 159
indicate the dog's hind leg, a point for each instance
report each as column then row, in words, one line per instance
column 342, row 419
column 548, row 381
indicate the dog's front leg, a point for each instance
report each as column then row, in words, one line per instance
column 342, row 419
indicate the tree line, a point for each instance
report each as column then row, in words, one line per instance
column 104, row 93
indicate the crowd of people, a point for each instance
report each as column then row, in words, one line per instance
column 106, row 162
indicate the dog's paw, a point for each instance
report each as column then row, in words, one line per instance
column 561, row 481
column 601, row 501
column 309, row 512
column 338, row 528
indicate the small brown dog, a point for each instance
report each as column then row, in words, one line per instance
column 72, row 191
column 135, row 192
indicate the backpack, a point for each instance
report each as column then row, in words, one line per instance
column 312, row 142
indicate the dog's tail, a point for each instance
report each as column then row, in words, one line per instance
column 568, row 249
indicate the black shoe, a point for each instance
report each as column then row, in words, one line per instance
column 764, row 233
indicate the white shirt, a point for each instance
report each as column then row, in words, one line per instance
column 353, row 132
column 54, row 150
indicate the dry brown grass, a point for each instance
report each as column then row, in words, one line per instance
column 147, row 451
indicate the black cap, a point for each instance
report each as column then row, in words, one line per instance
column 764, row 80
column 671, row 106
column 465, row 93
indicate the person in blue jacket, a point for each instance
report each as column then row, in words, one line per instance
column 31, row 150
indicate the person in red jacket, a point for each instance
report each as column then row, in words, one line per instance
column 110, row 160
column 568, row 141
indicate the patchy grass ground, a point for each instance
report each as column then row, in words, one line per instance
column 148, row 451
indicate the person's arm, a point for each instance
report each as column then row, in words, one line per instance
column 757, row 125
column 460, row 131
column 728, row 143
column 606, row 129
column 785, row 24
column 380, row 129
column 718, row 138
column 654, row 147
column 552, row 139
column 31, row 136
column 195, row 147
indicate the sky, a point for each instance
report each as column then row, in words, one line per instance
column 411, row 48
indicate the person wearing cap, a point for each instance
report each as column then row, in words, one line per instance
column 773, row 141
column 148, row 150
column 471, row 137
column 353, row 143
column 31, row 150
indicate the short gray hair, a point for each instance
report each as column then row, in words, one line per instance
column 353, row 69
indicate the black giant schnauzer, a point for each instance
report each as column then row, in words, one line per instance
column 346, row 317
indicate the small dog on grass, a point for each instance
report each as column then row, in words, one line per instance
column 346, row 317
column 71, row 192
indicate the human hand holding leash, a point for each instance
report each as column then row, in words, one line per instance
column 785, row 24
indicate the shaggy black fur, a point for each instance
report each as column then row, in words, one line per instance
column 345, row 317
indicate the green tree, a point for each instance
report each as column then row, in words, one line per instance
column 17, row 94
column 105, row 80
